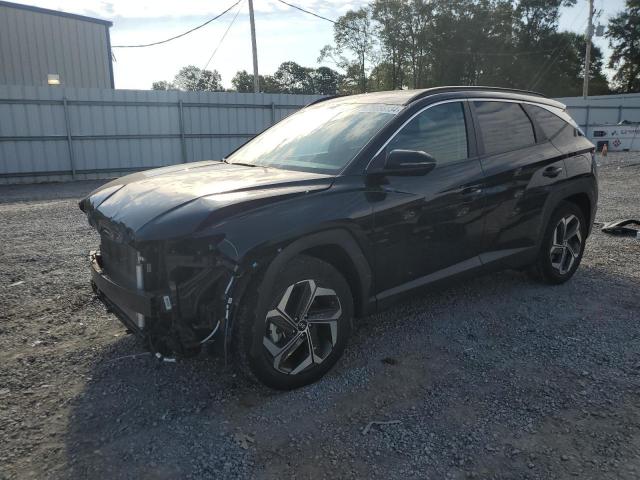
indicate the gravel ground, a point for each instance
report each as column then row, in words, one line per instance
column 494, row 377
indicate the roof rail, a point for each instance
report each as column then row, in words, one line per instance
column 462, row 88
column 322, row 99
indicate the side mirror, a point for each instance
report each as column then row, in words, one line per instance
column 408, row 162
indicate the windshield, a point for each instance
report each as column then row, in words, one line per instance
column 321, row 138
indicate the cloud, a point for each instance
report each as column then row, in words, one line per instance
column 115, row 9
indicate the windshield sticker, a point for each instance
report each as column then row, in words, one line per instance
column 380, row 108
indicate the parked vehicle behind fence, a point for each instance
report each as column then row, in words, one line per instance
column 336, row 212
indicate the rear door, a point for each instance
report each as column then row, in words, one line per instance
column 429, row 226
column 521, row 166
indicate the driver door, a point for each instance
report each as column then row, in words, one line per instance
column 429, row 226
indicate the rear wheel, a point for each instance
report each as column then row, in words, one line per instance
column 300, row 330
column 562, row 246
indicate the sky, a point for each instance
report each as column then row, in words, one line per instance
column 282, row 33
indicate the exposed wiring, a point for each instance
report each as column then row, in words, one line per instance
column 178, row 36
column 213, row 332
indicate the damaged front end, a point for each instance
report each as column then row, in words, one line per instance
column 176, row 296
column 167, row 265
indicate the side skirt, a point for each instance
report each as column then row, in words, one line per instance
column 390, row 296
column 489, row 261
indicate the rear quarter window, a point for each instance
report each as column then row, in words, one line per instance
column 553, row 127
column 504, row 126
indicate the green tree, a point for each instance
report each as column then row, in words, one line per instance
column 510, row 43
column 325, row 81
column 194, row 79
column 384, row 76
column 624, row 38
column 393, row 21
column 293, row 78
column 163, row 85
column 270, row 85
column 352, row 33
column 536, row 30
column 243, row 82
column 562, row 71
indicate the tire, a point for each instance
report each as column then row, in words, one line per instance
column 275, row 339
column 562, row 245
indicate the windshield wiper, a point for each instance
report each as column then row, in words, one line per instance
column 239, row 163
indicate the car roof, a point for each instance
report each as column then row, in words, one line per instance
column 406, row 97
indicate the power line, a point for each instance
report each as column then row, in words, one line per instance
column 497, row 54
column 546, row 66
column 181, row 35
column 553, row 58
column 318, row 15
column 455, row 52
column 308, row 11
column 222, row 38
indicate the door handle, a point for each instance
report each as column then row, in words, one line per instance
column 552, row 172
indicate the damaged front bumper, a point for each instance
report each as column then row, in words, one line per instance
column 132, row 307
column 176, row 319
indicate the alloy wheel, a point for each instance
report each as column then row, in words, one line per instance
column 566, row 245
column 302, row 330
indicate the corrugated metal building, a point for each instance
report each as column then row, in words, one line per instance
column 47, row 47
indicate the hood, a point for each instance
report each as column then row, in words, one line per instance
column 176, row 200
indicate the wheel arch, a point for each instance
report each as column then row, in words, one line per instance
column 338, row 248
column 337, row 256
column 583, row 202
column 581, row 192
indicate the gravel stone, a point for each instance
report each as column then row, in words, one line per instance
column 492, row 377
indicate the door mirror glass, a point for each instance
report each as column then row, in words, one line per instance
column 408, row 162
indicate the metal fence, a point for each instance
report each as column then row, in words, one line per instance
column 603, row 110
column 590, row 115
column 55, row 134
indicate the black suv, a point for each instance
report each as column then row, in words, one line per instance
column 335, row 212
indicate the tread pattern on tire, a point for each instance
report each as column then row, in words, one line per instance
column 541, row 269
column 248, row 312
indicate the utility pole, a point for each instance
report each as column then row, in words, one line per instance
column 587, row 53
column 256, row 79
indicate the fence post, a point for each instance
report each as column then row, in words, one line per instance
column 183, row 143
column 586, row 123
column 619, row 113
column 67, row 123
column 273, row 113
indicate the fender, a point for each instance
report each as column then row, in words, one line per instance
column 572, row 186
column 340, row 238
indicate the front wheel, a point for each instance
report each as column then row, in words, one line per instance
column 562, row 246
column 301, row 327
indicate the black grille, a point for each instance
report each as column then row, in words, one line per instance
column 119, row 262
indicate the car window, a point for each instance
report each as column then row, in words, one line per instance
column 553, row 127
column 321, row 138
column 439, row 131
column 504, row 126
